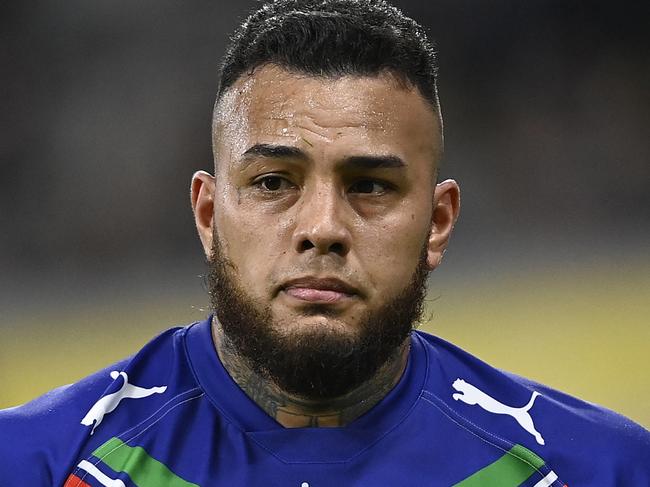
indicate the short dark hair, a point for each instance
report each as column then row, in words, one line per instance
column 333, row 38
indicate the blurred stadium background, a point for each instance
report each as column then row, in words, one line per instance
column 106, row 114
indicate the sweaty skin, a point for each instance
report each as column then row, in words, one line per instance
column 320, row 181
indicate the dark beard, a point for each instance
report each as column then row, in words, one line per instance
column 317, row 363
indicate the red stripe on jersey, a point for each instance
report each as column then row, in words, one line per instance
column 74, row 481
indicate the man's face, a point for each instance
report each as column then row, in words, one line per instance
column 324, row 199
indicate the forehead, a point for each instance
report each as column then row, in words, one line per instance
column 272, row 102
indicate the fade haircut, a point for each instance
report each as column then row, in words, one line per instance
column 333, row 38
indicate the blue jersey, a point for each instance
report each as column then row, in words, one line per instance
column 171, row 416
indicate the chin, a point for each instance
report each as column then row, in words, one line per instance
column 316, row 324
column 289, row 310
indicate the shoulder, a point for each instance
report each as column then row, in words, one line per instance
column 42, row 437
column 583, row 425
column 36, row 436
column 583, row 440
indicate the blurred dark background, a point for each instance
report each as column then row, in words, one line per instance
column 106, row 114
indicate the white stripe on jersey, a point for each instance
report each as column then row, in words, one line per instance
column 546, row 481
column 101, row 477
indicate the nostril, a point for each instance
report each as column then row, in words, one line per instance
column 322, row 247
column 337, row 248
column 306, row 245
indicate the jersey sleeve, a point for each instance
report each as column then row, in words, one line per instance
column 598, row 446
column 39, row 440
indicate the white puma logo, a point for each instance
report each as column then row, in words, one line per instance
column 108, row 403
column 472, row 395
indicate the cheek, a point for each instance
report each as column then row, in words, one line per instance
column 404, row 231
column 241, row 236
column 394, row 249
column 252, row 241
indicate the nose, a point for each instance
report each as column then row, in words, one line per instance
column 320, row 224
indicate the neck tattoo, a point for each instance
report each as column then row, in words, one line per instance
column 292, row 411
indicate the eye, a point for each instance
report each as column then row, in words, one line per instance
column 369, row 186
column 273, row 183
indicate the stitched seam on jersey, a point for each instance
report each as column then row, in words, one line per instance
column 488, row 433
column 367, row 447
column 125, row 442
column 360, row 452
column 427, row 362
column 188, row 357
column 120, row 365
column 89, row 457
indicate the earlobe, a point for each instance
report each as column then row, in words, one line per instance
column 446, row 206
column 202, row 198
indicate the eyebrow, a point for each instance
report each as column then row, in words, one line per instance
column 374, row 162
column 274, row 152
column 357, row 162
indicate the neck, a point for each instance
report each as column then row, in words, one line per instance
column 293, row 411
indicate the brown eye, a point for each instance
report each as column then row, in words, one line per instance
column 273, row 183
column 368, row 186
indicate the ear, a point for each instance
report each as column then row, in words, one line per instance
column 446, row 205
column 202, row 195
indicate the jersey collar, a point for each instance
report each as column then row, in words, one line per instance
column 303, row 444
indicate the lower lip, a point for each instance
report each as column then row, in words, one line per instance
column 316, row 295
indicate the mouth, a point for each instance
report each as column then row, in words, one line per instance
column 319, row 290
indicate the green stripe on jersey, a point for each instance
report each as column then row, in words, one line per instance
column 511, row 470
column 144, row 470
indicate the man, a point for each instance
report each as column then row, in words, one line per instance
column 320, row 225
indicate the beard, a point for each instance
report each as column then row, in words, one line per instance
column 318, row 362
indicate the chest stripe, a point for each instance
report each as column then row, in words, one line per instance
column 507, row 471
column 144, row 470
